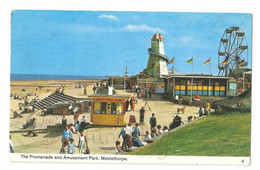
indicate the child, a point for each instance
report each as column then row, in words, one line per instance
column 64, row 149
column 117, row 149
column 71, row 146
column 77, row 127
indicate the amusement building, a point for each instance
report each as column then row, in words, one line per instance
column 234, row 77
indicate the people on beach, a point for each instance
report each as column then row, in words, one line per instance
column 83, row 144
column 72, row 128
column 30, row 124
column 16, row 96
column 152, row 121
column 66, row 135
column 30, row 133
column 142, row 112
column 16, row 114
column 64, row 121
column 70, row 109
column 76, row 117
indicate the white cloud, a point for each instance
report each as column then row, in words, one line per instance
column 142, row 28
column 186, row 39
column 112, row 17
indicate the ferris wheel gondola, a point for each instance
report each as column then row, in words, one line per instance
column 233, row 51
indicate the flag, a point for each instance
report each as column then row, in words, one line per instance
column 171, row 61
column 190, row 61
column 207, row 62
column 242, row 63
column 225, row 62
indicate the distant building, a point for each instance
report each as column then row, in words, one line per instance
column 204, row 85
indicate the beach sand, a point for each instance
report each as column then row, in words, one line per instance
column 100, row 140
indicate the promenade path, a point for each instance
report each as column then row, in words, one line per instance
column 101, row 140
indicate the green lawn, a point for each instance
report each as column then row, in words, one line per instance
column 214, row 135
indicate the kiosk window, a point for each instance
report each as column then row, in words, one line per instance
column 103, row 107
column 113, row 108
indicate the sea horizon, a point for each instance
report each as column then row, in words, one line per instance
column 24, row 77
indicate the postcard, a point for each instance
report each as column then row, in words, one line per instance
column 130, row 87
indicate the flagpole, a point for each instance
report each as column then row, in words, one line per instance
column 124, row 79
column 173, row 69
column 209, row 66
column 192, row 79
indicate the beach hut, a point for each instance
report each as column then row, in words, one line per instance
column 108, row 110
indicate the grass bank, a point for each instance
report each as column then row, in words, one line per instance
column 214, row 135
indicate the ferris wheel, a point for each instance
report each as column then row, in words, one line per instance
column 233, row 51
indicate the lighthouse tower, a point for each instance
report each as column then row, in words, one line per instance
column 156, row 65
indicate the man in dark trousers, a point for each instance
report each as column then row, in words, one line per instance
column 127, row 104
column 150, row 93
column 142, row 111
column 152, row 122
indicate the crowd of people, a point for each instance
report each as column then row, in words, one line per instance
column 131, row 135
column 67, row 140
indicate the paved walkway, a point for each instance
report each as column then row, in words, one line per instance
column 101, row 140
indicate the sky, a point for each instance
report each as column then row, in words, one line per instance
column 100, row 43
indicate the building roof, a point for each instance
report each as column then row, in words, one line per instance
column 110, row 96
column 157, row 36
column 201, row 76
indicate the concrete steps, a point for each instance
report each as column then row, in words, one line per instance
column 54, row 98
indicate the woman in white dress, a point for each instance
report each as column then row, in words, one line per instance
column 82, row 142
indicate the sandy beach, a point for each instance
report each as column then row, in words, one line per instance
column 100, row 140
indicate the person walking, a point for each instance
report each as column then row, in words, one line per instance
column 85, row 90
column 71, row 146
column 150, row 93
column 94, row 89
column 142, row 111
column 152, row 122
column 127, row 104
column 66, row 135
column 76, row 117
column 82, row 145
column 122, row 133
column 133, row 105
